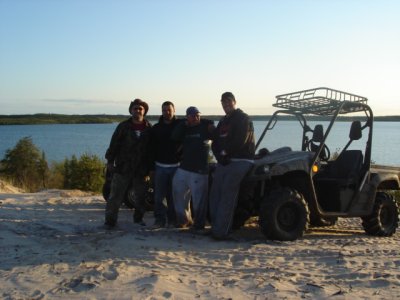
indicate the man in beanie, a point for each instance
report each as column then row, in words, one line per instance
column 191, row 179
column 128, row 158
column 234, row 148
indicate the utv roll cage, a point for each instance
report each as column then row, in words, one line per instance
column 327, row 103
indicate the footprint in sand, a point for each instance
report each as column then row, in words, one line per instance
column 236, row 259
column 110, row 274
column 78, row 284
column 167, row 295
column 36, row 294
column 146, row 284
column 145, row 287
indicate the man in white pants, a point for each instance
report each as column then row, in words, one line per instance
column 191, row 178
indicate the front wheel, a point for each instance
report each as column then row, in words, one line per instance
column 284, row 215
column 384, row 219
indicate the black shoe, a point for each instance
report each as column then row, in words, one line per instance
column 200, row 231
column 139, row 222
column 171, row 223
column 109, row 226
column 228, row 237
column 158, row 224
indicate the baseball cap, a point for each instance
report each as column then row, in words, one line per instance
column 192, row 110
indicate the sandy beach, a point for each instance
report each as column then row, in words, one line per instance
column 53, row 246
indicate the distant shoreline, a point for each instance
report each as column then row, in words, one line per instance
column 43, row 119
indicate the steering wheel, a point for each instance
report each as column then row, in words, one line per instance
column 325, row 153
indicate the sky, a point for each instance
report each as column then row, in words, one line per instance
column 95, row 56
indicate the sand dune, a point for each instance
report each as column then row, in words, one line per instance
column 52, row 245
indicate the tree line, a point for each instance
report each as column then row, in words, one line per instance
column 25, row 166
column 36, row 119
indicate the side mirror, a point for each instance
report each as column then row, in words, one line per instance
column 355, row 131
column 318, row 133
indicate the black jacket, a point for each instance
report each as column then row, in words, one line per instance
column 129, row 151
column 235, row 136
column 163, row 149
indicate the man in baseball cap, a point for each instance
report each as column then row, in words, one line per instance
column 191, row 178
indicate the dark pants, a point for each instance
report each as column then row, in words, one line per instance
column 119, row 187
column 224, row 196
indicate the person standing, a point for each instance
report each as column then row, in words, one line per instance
column 234, row 148
column 166, row 156
column 128, row 157
column 191, row 178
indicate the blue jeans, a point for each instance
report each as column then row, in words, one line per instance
column 164, row 210
column 224, row 195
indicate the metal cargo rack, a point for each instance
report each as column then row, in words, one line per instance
column 321, row 101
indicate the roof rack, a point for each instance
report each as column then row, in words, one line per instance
column 321, row 101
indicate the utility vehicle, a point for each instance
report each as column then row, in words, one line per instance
column 291, row 189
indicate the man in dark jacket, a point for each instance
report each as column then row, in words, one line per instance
column 128, row 157
column 234, row 148
column 166, row 155
column 191, row 179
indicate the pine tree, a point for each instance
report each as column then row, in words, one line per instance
column 24, row 165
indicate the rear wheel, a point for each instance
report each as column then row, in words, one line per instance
column 384, row 218
column 284, row 215
column 131, row 197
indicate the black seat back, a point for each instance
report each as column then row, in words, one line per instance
column 318, row 133
column 347, row 165
column 317, row 138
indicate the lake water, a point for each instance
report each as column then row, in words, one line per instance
column 63, row 140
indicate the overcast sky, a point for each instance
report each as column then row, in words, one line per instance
column 95, row 56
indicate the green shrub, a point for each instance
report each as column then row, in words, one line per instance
column 85, row 173
column 25, row 166
column 56, row 175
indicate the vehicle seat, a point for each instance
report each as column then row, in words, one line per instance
column 346, row 168
column 336, row 185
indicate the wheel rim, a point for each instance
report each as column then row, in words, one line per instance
column 288, row 217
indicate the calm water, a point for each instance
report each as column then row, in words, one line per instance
column 61, row 141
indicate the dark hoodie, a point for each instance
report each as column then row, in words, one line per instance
column 195, row 146
column 234, row 135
